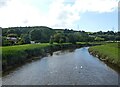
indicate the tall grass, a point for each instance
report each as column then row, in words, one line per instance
column 108, row 52
column 19, row 54
column 14, row 55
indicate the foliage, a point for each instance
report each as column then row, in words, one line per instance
column 72, row 38
column 99, row 39
column 11, row 31
column 12, row 35
column 43, row 34
column 25, row 39
column 36, row 35
column 51, row 40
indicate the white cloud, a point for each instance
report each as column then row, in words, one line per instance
column 61, row 13
column 16, row 13
column 96, row 5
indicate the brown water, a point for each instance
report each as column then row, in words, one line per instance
column 69, row 67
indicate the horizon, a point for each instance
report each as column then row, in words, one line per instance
column 60, row 29
column 89, row 16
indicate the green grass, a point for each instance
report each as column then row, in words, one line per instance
column 91, row 43
column 108, row 52
column 18, row 54
column 13, row 55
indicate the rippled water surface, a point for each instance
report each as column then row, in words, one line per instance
column 69, row 67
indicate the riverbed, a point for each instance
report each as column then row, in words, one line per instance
column 68, row 67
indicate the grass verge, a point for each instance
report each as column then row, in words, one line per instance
column 108, row 52
column 19, row 54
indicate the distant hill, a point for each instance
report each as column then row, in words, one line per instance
column 23, row 35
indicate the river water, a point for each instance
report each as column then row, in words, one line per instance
column 68, row 67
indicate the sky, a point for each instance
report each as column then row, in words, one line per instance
column 87, row 15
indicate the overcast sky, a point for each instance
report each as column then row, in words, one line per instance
column 88, row 15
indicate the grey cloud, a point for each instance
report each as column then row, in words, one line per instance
column 25, row 21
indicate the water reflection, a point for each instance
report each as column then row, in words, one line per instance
column 65, row 67
column 61, row 52
column 51, row 53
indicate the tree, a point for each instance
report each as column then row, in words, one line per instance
column 117, row 38
column 60, row 37
column 35, row 35
column 11, row 31
column 57, row 37
column 72, row 38
column 99, row 39
column 25, row 39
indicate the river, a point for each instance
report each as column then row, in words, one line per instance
column 68, row 67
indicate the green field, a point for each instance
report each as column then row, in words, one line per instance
column 108, row 52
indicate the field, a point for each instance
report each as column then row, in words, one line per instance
column 108, row 52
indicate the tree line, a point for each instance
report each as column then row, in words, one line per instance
column 43, row 34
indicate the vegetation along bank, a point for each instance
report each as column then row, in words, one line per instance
column 13, row 56
column 19, row 54
column 108, row 52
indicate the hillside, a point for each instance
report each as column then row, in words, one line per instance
column 44, row 34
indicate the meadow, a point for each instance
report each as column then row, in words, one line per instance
column 108, row 52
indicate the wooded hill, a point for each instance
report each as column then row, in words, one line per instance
column 43, row 34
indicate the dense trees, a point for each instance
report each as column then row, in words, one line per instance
column 26, row 34
column 43, row 34
column 25, row 39
column 35, row 35
column 59, row 38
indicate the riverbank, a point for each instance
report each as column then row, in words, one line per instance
column 64, row 67
column 14, row 56
column 108, row 53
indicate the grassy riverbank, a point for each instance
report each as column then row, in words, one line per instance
column 13, row 56
column 107, row 52
column 19, row 54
